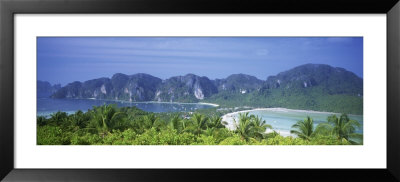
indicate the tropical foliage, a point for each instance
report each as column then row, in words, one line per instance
column 109, row 125
column 342, row 128
column 251, row 127
column 304, row 129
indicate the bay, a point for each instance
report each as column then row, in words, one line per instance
column 47, row 106
column 282, row 119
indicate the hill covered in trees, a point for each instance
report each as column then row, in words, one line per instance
column 311, row 86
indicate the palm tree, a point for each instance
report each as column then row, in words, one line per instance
column 185, row 125
column 176, row 123
column 344, row 127
column 58, row 117
column 244, row 126
column 150, row 121
column 41, row 120
column 304, row 129
column 260, row 127
column 198, row 123
column 216, row 122
column 209, row 131
column 79, row 119
column 106, row 118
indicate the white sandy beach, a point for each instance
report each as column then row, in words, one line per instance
column 206, row 103
column 229, row 118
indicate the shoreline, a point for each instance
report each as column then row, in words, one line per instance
column 281, row 109
column 144, row 102
column 229, row 117
column 48, row 113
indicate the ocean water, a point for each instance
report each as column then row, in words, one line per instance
column 282, row 119
column 47, row 106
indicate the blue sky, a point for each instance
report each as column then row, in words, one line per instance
column 66, row 59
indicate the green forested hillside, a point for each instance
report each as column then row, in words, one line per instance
column 311, row 99
column 310, row 86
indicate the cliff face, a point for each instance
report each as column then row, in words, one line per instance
column 138, row 87
column 45, row 89
column 239, row 83
column 188, row 88
column 323, row 79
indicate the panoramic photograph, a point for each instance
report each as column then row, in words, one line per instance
column 199, row 91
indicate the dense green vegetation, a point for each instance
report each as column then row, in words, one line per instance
column 342, row 128
column 312, row 98
column 109, row 125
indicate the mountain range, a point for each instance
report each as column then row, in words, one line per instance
column 309, row 86
column 45, row 89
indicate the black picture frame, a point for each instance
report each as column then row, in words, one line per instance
column 8, row 8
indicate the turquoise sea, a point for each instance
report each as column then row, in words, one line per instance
column 282, row 119
column 47, row 106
